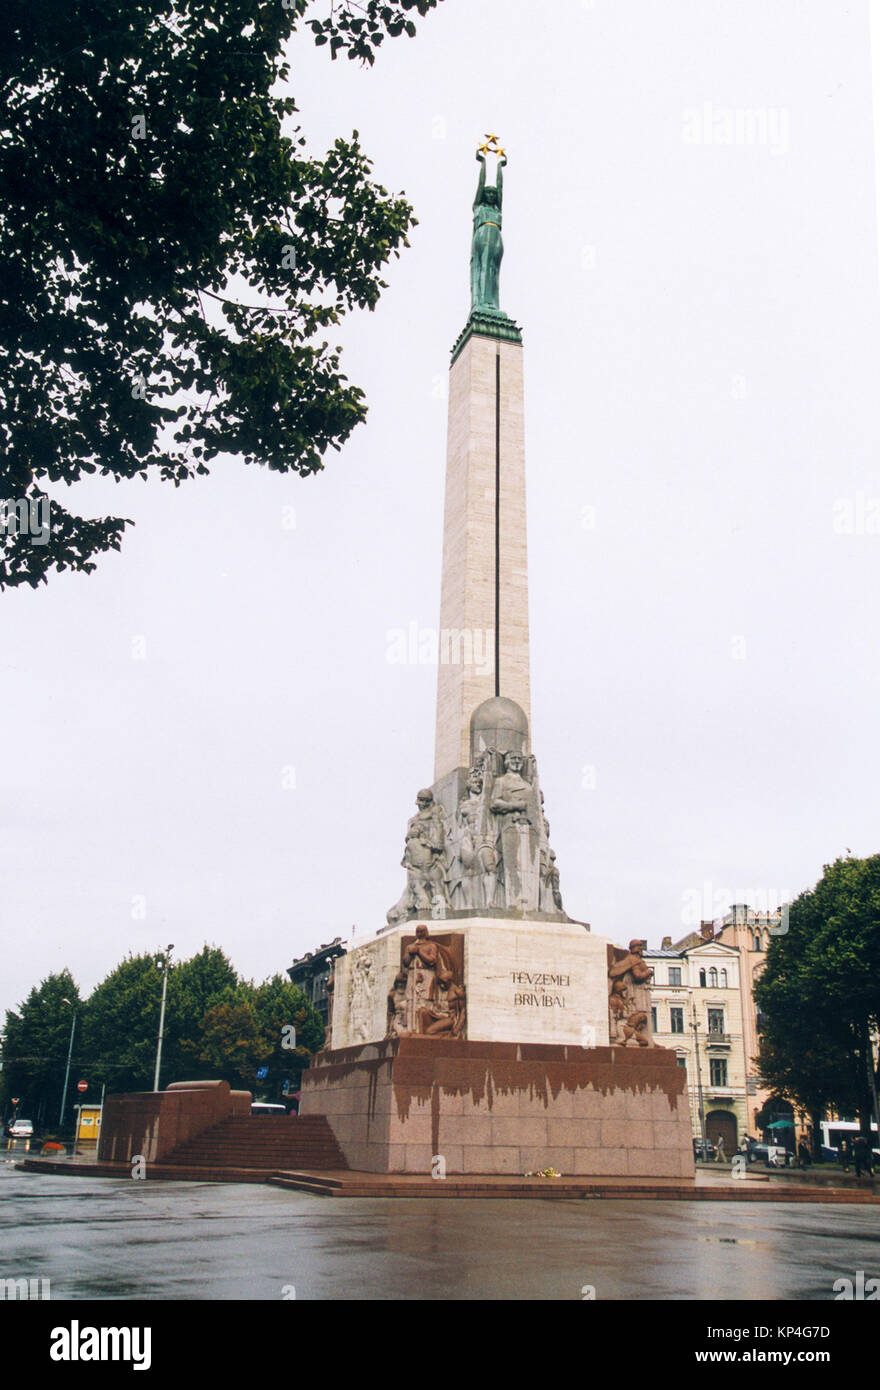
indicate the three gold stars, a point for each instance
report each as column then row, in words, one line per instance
column 492, row 146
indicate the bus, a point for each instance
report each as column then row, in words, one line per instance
column 834, row 1130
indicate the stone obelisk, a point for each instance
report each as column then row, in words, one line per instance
column 484, row 616
column 479, row 842
column 474, row 1030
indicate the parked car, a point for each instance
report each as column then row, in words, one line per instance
column 265, row 1107
column 775, row 1155
column 703, row 1151
column 21, row 1129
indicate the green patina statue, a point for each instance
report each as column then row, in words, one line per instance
column 487, row 247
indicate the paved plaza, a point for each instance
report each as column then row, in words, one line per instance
column 113, row 1238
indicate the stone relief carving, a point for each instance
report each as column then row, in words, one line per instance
column 427, row 997
column 629, row 996
column 397, row 1008
column 362, row 996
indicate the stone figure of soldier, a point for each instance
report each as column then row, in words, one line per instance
column 424, row 858
column 629, row 998
column 473, row 875
column 513, row 804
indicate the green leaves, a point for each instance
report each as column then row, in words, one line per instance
column 144, row 171
column 820, row 990
column 359, row 29
column 35, row 1045
column 216, row 1026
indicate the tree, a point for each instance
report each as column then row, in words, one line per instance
column 291, row 1027
column 122, row 1024
column 820, row 992
column 35, row 1046
column 171, row 255
column 216, row 1026
column 270, row 1025
column 194, row 986
column 230, row 1044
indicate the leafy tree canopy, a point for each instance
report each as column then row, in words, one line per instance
column 216, row 1026
column 36, row 1039
column 820, row 991
column 172, row 256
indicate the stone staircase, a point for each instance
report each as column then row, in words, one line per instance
column 275, row 1143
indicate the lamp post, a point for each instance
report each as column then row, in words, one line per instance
column 872, row 1081
column 699, row 1076
column 164, row 962
column 67, row 1072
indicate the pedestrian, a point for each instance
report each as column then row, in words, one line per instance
column 804, row 1159
column 843, row 1154
column 720, row 1156
column 861, row 1155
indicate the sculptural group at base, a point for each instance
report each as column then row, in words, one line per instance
column 491, row 849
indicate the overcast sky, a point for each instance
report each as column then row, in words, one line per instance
column 205, row 740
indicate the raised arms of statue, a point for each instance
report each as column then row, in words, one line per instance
column 486, row 247
column 479, row 199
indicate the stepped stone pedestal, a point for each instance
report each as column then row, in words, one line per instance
column 443, row 1106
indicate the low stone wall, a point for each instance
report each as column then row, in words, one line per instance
column 152, row 1123
column 397, row 1106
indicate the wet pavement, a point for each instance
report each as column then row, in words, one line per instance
column 100, row 1238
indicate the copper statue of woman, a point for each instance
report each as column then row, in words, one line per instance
column 487, row 247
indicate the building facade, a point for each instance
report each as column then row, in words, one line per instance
column 697, row 1013
column 311, row 973
column 749, row 933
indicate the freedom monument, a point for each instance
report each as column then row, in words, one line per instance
column 482, row 1026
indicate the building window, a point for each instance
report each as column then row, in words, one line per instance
column 716, row 1020
column 675, row 974
column 653, row 1020
column 713, row 978
column 724, row 979
column 676, row 1020
column 682, row 1062
column 718, row 1071
column 757, row 942
column 702, row 979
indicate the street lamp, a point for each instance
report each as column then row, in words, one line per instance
column 67, row 1072
column 699, row 1076
column 164, row 962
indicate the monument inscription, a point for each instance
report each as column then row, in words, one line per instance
column 539, row 982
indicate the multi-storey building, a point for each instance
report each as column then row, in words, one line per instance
column 749, row 934
column 312, row 972
column 697, row 1012
column 708, row 977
